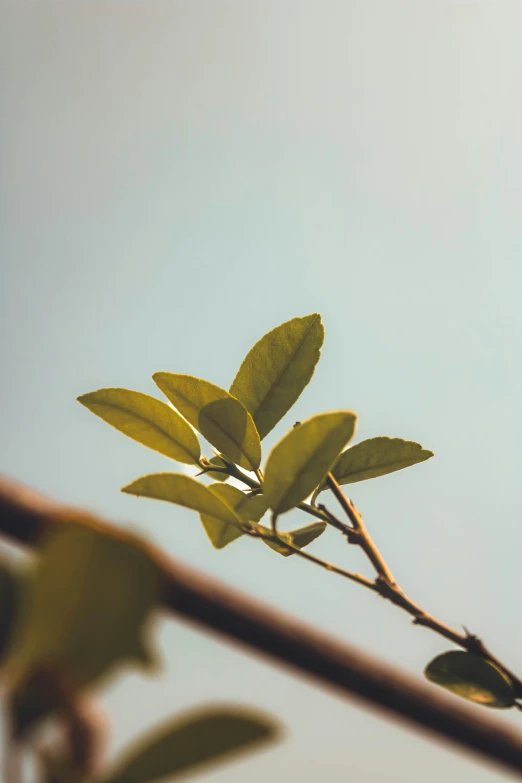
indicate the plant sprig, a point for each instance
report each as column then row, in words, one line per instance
column 314, row 456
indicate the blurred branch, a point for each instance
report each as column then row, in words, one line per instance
column 25, row 517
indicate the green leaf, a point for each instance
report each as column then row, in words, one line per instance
column 253, row 507
column 86, row 605
column 277, row 369
column 220, row 418
column 218, row 462
column 192, row 742
column 377, row 457
column 296, row 538
column 248, row 508
column 223, row 533
column 147, row 420
column 184, row 491
column 471, row 677
column 301, row 460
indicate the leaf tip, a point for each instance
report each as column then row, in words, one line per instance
column 128, row 488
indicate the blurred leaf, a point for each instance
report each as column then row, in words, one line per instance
column 147, row 420
column 223, row 533
column 86, row 606
column 184, row 491
column 189, row 743
column 300, row 461
column 217, row 476
column 10, row 585
column 297, row 538
column 377, row 457
column 220, row 418
column 277, row 369
column 471, row 677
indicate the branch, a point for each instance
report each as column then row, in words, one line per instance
column 25, row 517
column 362, row 580
column 388, row 588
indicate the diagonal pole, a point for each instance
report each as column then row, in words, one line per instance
column 26, row 516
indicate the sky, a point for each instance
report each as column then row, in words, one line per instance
column 180, row 176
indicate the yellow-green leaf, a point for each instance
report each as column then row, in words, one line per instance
column 220, row 418
column 277, row 369
column 253, row 507
column 300, row 461
column 219, row 532
column 146, row 420
column 296, row 538
column 248, row 508
column 184, row 491
column 471, row 677
column 190, row 743
column 377, row 457
column 86, row 605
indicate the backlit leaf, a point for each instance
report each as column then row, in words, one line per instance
column 296, row 538
column 277, row 369
column 222, row 533
column 249, row 508
column 300, row 461
column 184, row 491
column 220, row 418
column 190, row 743
column 86, row 605
column 377, row 457
column 147, row 420
column 253, row 507
column 471, row 677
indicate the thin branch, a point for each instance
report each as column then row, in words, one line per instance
column 385, row 584
column 362, row 580
column 234, row 472
column 388, row 588
column 26, row 517
column 361, row 536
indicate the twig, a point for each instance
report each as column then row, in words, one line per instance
column 388, row 588
column 385, row 584
column 362, row 580
column 360, row 534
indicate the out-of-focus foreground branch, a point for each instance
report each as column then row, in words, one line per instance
column 26, row 516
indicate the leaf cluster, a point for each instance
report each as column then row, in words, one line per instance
column 300, row 466
column 268, row 383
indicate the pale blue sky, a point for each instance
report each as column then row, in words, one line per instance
column 178, row 177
